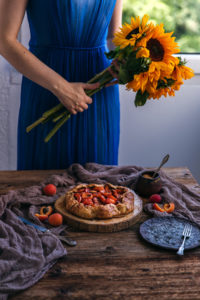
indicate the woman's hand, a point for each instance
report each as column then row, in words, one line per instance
column 73, row 96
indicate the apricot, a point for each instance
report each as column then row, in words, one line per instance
column 41, row 217
column 46, row 210
column 55, row 219
column 49, row 189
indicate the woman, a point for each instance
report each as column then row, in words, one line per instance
column 67, row 45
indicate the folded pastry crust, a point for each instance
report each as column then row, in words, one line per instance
column 96, row 201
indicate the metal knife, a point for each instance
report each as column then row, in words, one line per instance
column 64, row 239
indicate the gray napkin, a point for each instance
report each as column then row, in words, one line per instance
column 26, row 254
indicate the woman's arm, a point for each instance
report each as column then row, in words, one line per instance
column 11, row 17
column 115, row 23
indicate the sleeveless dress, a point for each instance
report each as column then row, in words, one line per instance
column 70, row 37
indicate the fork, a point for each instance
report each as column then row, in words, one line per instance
column 186, row 234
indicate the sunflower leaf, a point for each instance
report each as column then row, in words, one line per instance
column 165, row 83
column 138, row 65
column 140, row 98
column 182, row 62
column 113, row 53
column 124, row 75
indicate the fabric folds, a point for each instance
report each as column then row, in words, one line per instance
column 69, row 36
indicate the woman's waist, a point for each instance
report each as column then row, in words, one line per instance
column 67, row 47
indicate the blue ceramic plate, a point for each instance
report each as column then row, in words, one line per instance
column 166, row 232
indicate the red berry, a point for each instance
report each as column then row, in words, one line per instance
column 155, row 198
column 49, row 189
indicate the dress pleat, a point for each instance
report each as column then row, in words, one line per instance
column 69, row 36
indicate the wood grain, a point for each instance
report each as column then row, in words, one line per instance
column 118, row 265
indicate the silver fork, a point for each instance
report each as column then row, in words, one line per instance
column 186, row 234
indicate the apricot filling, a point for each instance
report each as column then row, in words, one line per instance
column 98, row 195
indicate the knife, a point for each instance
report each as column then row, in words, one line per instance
column 65, row 239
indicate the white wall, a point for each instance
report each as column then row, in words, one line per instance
column 10, row 81
column 147, row 133
column 169, row 125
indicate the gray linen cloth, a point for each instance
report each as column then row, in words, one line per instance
column 26, row 254
column 187, row 201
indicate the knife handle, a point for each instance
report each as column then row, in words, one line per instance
column 67, row 240
column 25, row 221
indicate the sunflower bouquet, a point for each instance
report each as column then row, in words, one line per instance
column 143, row 60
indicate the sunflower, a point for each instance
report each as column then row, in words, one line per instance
column 143, row 52
column 130, row 33
column 160, row 44
column 159, row 47
column 161, row 92
column 167, row 91
column 139, row 82
column 165, row 87
column 149, row 80
column 181, row 71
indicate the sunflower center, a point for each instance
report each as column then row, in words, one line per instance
column 134, row 31
column 156, row 50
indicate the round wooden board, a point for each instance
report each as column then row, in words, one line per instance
column 108, row 225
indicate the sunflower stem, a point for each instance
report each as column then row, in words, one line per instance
column 57, row 126
column 103, row 81
column 58, row 117
column 45, row 115
column 33, row 125
column 53, row 110
column 99, row 75
column 53, row 114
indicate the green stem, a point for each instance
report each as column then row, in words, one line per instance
column 57, row 126
column 103, row 81
column 45, row 115
column 103, row 77
column 54, row 115
column 53, row 110
column 30, row 127
column 98, row 76
column 58, row 117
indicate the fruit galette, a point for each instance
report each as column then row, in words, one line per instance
column 99, row 201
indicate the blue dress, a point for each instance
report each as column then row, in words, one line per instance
column 70, row 37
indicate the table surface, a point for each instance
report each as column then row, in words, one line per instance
column 116, row 265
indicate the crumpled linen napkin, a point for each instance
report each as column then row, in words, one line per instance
column 39, row 251
column 187, row 201
column 26, row 254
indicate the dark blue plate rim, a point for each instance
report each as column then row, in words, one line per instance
column 163, row 219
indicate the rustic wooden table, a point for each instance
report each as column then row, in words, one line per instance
column 114, row 265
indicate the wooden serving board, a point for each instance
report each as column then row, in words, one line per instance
column 108, row 225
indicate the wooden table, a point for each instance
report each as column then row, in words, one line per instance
column 114, row 265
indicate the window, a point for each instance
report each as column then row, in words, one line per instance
column 180, row 16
